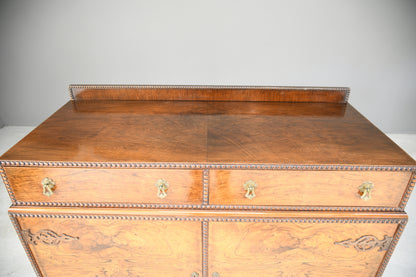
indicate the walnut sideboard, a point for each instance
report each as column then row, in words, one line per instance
column 207, row 181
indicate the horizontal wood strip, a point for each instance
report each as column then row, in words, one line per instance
column 210, row 93
column 204, row 214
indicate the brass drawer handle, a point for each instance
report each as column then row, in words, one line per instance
column 48, row 185
column 215, row 274
column 365, row 189
column 194, row 274
column 249, row 186
column 162, row 187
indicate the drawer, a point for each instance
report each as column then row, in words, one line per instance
column 307, row 188
column 89, row 185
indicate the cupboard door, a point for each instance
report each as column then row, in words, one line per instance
column 247, row 249
column 113, row 247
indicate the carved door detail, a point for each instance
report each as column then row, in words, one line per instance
column 113, row 246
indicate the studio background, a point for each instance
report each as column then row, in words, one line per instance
column 366, row 45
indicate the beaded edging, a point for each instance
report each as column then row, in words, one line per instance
column 408, row 191
column 223, row 207
column 7, row 184
column 205, row 188
column 207, row 166
column 29, row 254
column 205, row 248
column 118, row 86
column 393, row 244
column 217, row 219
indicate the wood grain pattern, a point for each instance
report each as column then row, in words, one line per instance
column 105, row 237
column 306, row 148
column 118, row 248
column 309, row 188
column 295, row 135
column 106, row 185
column 207, row 93
column 286, row 249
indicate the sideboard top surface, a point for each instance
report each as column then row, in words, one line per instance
column 226, row 132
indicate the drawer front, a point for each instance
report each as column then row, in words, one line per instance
column 306, row 188
column 244, row 249
column 89, row 185
column 110, row 247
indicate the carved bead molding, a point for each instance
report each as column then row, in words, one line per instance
column 366, row 243
column 192, row 165
column 47, row 237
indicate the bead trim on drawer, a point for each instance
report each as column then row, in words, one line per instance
column 222, row 207
column 7, row 184
column 205, row 204
column 207, row 166
column 408, row 191
column 205, row 184
column 216, row 219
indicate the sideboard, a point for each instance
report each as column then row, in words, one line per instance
column 208, row 181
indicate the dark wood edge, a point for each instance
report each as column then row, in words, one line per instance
column 207, row 218
column 73, row 97
column 392, row 246
column 408, row 191
column 25, row 245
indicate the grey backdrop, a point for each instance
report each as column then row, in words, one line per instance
column 369, row 46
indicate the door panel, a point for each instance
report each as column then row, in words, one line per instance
column 110, row 247
column 243, row 249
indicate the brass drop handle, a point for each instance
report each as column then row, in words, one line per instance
column 194, row 274
column 48, row 185
column 162, row 187
column 365, row 189
column 215, row 274
column 249, row 186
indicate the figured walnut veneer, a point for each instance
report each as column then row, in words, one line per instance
column 304, row 149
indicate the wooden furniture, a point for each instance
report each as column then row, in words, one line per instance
column 208, row 181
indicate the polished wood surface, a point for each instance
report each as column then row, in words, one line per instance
column 209, row 93
column 240, row 249
column 123, row 242
column 122, row 248
column 209, row 132
column 89, row 185
column 309, row 188
column 307, row 149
